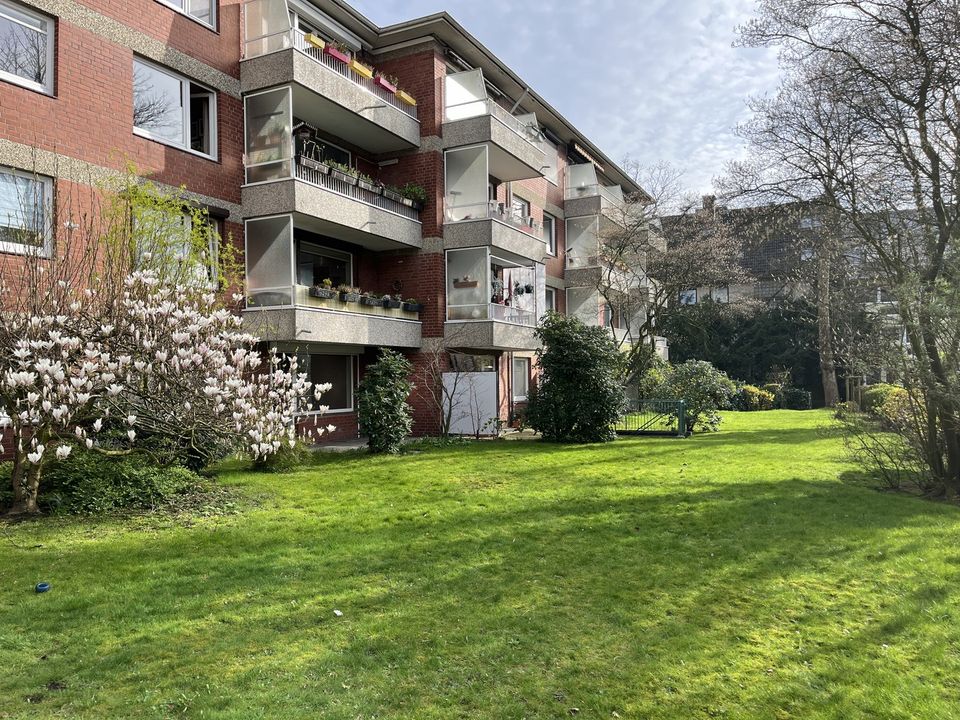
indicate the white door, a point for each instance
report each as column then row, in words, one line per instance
column 473, row 397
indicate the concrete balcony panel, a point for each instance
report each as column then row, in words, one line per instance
column 329, row 99
column 321, row 325
column 513, row 156
column 331, row 213
column 495, row 234
column 489, row 335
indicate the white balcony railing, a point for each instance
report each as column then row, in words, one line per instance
column 342, row 68
column 515, row 315
column 312, row 172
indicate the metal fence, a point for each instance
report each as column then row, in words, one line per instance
column 654, row 417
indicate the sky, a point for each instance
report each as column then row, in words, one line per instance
column 655, row 79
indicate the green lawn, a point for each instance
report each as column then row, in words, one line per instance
column 737, row 575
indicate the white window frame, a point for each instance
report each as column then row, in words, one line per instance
column 47, row 86
column 185, row 84
column 212, row 25
column 526, row 376
column 552, row 240
column 46, row 249
column 550, row 292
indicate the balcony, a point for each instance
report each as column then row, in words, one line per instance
column 471, row 118
column 329, row 203
column 271, row 317
column 583, row 194
column 326, row 91
column 493, row 225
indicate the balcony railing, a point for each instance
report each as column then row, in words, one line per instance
column 486, row 106
column 494, row 311
column 342, row 68
column 494, row 210
column 608, row 194
column 316, row 173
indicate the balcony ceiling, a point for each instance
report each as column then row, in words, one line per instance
column 344, row 123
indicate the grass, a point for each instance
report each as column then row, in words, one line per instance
column 736, row 575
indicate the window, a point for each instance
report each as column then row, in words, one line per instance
column 316, row 264
column 203, row 11
column 550, row 233
column 26, row 47
column 25, row 206
column 806, row 254
column 176, row 248
column 309, row 144
column 720, row 295
column 688, row 297
column 336, row 370
column 520, row 207
column 462, row 362
column 551, row 155
column 267, row 120
column 521, row 378
column 170, row 109
column 550, row 296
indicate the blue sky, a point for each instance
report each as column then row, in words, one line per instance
column 657, row 79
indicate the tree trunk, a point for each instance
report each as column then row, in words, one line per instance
column 25, row 488
column 828, row 367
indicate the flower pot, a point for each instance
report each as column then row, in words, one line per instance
column 314, row 165
column 369, row 187
column 371, row 301
column 417, row 205
column 334, row 53
column 388, row 86
column 395, row 196
column 391, row 303
column 344, row 178
column 360, row 69
column 407, row 201
column 406, row 98
column 324, row 293
column 412, row 307
column 349, row 297
column 315, row 40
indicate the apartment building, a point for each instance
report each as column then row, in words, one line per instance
column 389, row 186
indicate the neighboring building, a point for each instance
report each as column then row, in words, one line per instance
column 405, row 160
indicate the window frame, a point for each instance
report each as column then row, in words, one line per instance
column 50, row 25
column 185, row 83
column 550, row 305
column 683, row 293
column 552, row 240
column 46, row 249
column 318, row 249
column 525, row 375
column 352, row 373
column 214, row 15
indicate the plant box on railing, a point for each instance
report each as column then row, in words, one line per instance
column 314, row 165
column 371, row 301
column 360, row 69
column 333, row 52
column 315, row 40
column 392, row 195
column 406, row 98
column 385, row 84
column 324, row 293
column 391, row 303
column 350, row 297
column 412, row 307
column 369, row 187
column 344, row 177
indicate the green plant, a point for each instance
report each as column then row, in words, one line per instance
column 578, row 397
column 874, row 396
column 383, row 412
column 327, row 283
column 750, row 398
column 704, row 388
column 286, row 459
column 791, row 398
column 94, row 482
column 414, row 192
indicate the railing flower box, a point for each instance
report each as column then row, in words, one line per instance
column 369, row 186
column 314, row 165
column 334, row 52
column 412, row 306
column 318, row 291
column 349, row 296
column 393, row 303
column 393, row 195
column 383, row 82
column 343, row 177
column 315, row 40
column 371, row 300
column 406, row 98
column 361, row 69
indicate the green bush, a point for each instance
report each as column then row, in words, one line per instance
column 579, row 396
column 874, row 396
column 92, row 482
column 704, row 388
column 383, row 412
column 794, row 399
column 751, row 398
column 287, row 459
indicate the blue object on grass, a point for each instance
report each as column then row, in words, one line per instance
column 42, row 587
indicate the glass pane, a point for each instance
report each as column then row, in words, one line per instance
column 22, row 209
column 201, row 114
column 269, row 260
column 582, row 241
column 202, row 10
column 158, row 103
column 521, row 377
column 269, row 141
column 466, row 184
column 465, row 95
column 267, row 27
column 581, row 180
column 550, row 154
column 23, row 44
column 338, row 371
column 468, row 284
column 314, row 265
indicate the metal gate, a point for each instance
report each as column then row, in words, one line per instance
column 654, row 417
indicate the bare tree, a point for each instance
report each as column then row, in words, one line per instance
column 866, row 125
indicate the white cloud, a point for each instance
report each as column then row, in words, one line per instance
column 656, row 79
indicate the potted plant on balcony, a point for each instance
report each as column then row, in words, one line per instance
column 528, row 288
column 393, row 193
column 315, row 40
column 349, row 294
column 405, row 97
column 361, row 68
column 338, row 50
column 411, row 305
column 309, row 162
column 386, row 81
column 414, row 196
column 392, row 301
column 368, row 183
column 343, row 173
column 324, row 290
column 371, row 299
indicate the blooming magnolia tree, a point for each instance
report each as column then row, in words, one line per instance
column 98, row 340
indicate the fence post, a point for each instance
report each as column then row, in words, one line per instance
column 682, row 419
